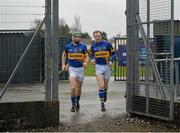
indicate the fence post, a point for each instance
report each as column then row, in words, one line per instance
column 147, row 63
column 177, row 77
column 132, row 53
column 172, row 62
column 48, row 44
column 55, row 49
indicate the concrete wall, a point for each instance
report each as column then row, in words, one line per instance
column 23, row 115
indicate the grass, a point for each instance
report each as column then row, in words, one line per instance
column 121, row 70
column 89, row 71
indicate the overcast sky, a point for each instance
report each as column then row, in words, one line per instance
column 107, row 15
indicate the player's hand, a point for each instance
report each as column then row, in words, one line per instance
column 85, row 64
column 93, row 62
column 65, row 67
column 110, row 64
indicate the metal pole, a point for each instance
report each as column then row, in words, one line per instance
column 55, row 49
column 177, row 78
column 132, row 53
column 147, row 63
column 115, row 69
column 48, row 43
column 136, row 51
column 128, row 104
column 172, row 63
column 21, row 59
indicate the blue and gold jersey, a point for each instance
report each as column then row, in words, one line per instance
column 102, row 52
column 75, row 54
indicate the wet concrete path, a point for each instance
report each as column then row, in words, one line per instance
column 90, row 103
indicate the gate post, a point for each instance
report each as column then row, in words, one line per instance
column 55, row 48
column 132, row 53
column 172, row 62
column 48, row 43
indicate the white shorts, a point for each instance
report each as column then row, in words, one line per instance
column 77, row 73
column 103, row 70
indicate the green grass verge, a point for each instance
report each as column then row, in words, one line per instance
column 121, row 71
column 89, row 71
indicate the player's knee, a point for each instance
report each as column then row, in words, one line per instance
column 78, row 88
column 101, row 85
column 73, row 86
column 73, row 89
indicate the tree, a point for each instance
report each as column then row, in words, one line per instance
column 104, row 36
column 77, row 24
column 64, row 29
column 85, row 35
column 36, row 23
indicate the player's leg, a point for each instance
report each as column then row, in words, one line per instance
column 106, row 84
column 73, row 86
column 78, row 93
column 107, row 76
column 100, row 81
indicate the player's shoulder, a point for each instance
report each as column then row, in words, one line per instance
column 106, row 42
column 93, row 44
column 68, row 45
column 83, row 45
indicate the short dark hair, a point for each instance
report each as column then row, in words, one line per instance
column 97, row 31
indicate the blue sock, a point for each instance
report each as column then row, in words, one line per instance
column 101, row 95
column 73, row 100
column 77, row 99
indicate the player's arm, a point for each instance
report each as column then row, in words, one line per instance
column 86, row 58
column 63, row 60
column 91, row 56
column 112, row 54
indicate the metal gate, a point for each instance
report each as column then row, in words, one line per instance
column 20, row 57
column 120, row 67
column 151, row 21
column 62, row 42
column 120, row 63
column 12, row 45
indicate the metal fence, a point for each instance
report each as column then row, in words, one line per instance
column 120, row 67
column 12, row 45
column 120, row 63
column 62, row 42
column 152, row 22
column 26, row 56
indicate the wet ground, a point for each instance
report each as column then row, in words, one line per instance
column 90, row 103
column 90, row 118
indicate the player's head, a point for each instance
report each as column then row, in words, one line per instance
column 97, row 34
column 76, row 37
